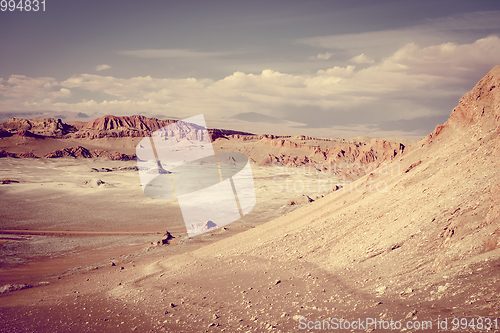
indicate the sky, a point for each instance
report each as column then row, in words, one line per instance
column 321, row 68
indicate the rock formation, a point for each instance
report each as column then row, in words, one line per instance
column 82, row 152
column 25, row 154
column 271, row 150
column 167, row 236
column 45, row 127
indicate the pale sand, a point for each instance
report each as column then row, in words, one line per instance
column 60, row 217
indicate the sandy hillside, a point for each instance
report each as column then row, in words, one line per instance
column 415, row 243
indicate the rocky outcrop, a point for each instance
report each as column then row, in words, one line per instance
column 117, row 127
column 8, row 181
column 226, row 134
column 5, row 134
column 134, row 168
column 28, row 134
column 78, row 151
column 270, row 149
column 269, row 160
column 82, row 152
column 25, row 154
column 165, row 240
column 95, row 183
column 108, row 123
column 303, row 199
column 44, row 127
column 375, row 152
column 141, row 126
column 476, row 112
column 113, row 155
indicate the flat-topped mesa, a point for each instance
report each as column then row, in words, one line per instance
column 137, row 126
column 110, row 122
column 478, row 111
column 118, row 127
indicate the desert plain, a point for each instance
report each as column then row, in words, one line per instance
column 404, row 237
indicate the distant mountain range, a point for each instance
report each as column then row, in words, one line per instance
column 115, row 137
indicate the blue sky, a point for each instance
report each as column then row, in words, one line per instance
column 320, row 68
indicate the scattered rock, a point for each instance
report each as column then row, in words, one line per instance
column 25, row 154
column 9, row 181
column 13, row 287
column 101, row 170
column 95, row 183
column 413, row 166
column 167, row 236
column 300, row 200
column 411, row 314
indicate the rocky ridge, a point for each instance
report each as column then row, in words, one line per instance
column 82, row 152
column 263, row 149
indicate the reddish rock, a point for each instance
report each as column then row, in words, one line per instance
column 9, row 181
column 167, row 236
column 43, row 127
column 136, row 122
column 75, row 152
column 268, row 160
column 82, row 152
column 4, row 134
column 29, row 134
column 4, row 153
column 26, row 154
column 303, row 199
column 478, row 109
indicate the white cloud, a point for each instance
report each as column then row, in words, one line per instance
column 23, row 88
column 324, row 56
column 362, row 59
column 62, row 93
column 462, row 27
column 102, row 67
column 405, row 85
column 448, row 58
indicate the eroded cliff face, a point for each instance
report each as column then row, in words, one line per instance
column 265, row 149
column 477, row 113
column 46, row 127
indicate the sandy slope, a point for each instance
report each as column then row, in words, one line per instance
column 424, row 246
